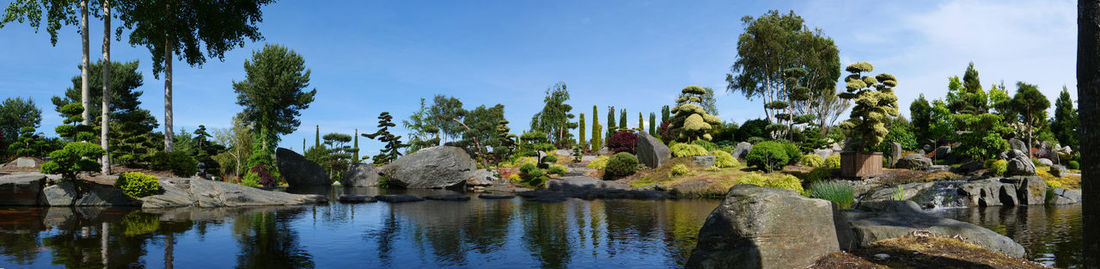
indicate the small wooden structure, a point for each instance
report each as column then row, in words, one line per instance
column 860, row 164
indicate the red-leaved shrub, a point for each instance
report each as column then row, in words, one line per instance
column 622, row 142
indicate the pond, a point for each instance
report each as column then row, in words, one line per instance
column 1051, row 234
column 431, row 234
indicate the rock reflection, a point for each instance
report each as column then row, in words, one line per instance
column 1051, row 234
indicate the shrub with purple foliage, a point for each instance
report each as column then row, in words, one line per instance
column 622, row 142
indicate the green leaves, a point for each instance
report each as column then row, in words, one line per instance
column 273, row 91
column 73, row 158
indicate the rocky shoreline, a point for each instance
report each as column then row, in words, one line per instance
column 31, row 190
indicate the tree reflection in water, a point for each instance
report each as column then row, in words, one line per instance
column 267, row 241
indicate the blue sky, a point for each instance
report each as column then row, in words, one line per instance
column 368, row 57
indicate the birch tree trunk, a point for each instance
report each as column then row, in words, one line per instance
column 106, row 160
column 168, row 135
column 85, row 92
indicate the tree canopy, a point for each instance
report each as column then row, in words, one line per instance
column 273, row 92
column 556, row 117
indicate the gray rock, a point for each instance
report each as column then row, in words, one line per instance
column 353, row 199
column 430, row 168
column 704, row 161
column 26, row 162
column 298, row 171
column 895, row 153
column 914, row 161
column 1030, row 190
column 103, row 195
column 943, row 152
column 603, row 151
column 21, row 189
column 757, row 227
column 874, row 221
column 988, row 192
column 1019, row 164
column 1017, row 144
column 968, row 167
column 650, row 151
column 1058, row 170
column 1064, row 196
column 60, row 194
column 908, row 191
column 184, row 192
column 743, row 149
column 360, row 175
column 824, row 153
column 448, row 197
column 398, row 198
column 480, row 177
column 1066, row 150
column 1046, row 162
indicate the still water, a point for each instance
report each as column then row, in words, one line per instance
column 430, row 234
column 1051, row 234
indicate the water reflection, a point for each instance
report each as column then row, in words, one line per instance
column 1051, row 234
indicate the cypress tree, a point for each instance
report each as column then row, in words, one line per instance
column 664, row 114
column 641, row 122
column 622, row 120
column 581, row 142
column 597, row 130
column 356, row 145
column 610, row 123
column 317, row 136
column 652, row 124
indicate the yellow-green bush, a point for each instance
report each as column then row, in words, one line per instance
column 998, row 167
column 557, row 170
column 599, row 163
column 833, row 161
column 687, row 150
column 514, row 178
column 680, row 170
column 811, row 160
column 137, row 185
column 724, row 159
column 773, row 181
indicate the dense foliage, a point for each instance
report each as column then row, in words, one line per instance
column 623, row 141
column 687, row 150
column 691, row 122
column 393, row 145
column 74, row 158
column 768, row 156
column 179, row 163
column 834, row 191
column 556, row 117
column 876, row 104
column 137, row 185
column 773, row 181
column 621, row 164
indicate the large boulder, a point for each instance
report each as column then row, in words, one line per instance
column 651, row 151
column 298, row 171
column 430, row 168
column 23, row 189
column 1017, row 144
column 360, row 175
column 913, row 161
column 874, row 221
column 480, row 177
column 943, row 152
column 757, row 227
column 743, row 149
column 105, row 196
column 1019, row 164
column 60, row 194
column 185, row 192
column 1045, row 162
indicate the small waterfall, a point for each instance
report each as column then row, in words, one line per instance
column 942, row 194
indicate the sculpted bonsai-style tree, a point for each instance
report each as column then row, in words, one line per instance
column 876, row 105
column 691, row 122
column 393, row 142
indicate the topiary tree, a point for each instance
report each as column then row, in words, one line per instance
column 29, row 143
column 582, row 142
column 74, row 158
column 339, row 155
column 876, row 105
column 691, row 121
column 534, row 143
column 71, row 128
column 507, row 140
column 612, row 128
column 393, row 143
column 652, row 124
column 597, row 130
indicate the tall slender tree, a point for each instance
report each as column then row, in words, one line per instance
column 652, row 124
column 641, row 122
column 183, row 29
column 581, row 141
column 597, row 132
column 556, row 117
column 611, row 125
column 622, row 120
column 105, row 162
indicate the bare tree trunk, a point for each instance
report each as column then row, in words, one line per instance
column 1088, row 90
column 169, row 137
column 103, row 132
column 85, row 92
column 169, row 249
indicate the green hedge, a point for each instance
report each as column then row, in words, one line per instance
column 620, row 165
column 768, row 156
column 137, row 185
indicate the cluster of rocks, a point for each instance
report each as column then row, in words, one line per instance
column 758, row 227
column 31, row 190
column 442, row 167
column 1004, row 191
